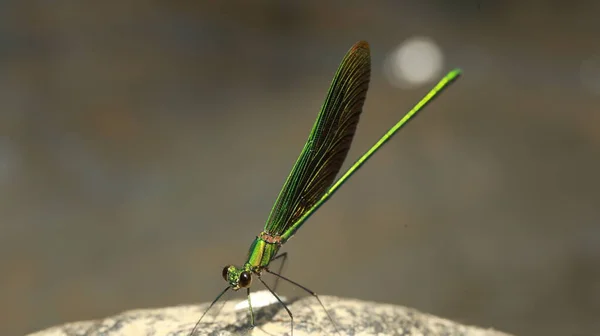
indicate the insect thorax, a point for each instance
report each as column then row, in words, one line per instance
column 262, row 250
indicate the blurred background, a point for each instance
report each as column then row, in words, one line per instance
column 143, row 143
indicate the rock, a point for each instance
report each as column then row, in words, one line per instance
column 353, row 317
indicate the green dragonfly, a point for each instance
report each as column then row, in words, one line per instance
column 312, row 179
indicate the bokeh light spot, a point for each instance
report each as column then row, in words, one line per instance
column 416, row 61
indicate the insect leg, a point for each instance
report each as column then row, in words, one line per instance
column 283, row 304
column 284, row 255
column 207, row 309
column 250, row 307
column 310, row 292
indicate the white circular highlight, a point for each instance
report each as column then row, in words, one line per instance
column 416, row 61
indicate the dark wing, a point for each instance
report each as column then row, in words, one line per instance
column 328, row 143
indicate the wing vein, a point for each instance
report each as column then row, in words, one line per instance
column 328, row 143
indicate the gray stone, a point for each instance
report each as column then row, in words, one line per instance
column 353, row 317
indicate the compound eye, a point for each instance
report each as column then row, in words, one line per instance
column 225, row 271
column 245, row 279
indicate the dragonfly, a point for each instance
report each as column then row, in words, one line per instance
column 312, row 182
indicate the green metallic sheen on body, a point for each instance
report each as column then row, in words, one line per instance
column 261, row 253
column 328, row 142
column 431, row 95
column 312, row 179
column 233, row 275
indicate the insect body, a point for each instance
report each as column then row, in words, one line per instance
column 312, row 179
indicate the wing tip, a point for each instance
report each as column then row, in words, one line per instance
column 360, row 45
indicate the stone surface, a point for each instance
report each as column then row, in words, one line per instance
column 353, row 317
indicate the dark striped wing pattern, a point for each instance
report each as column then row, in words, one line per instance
column 328, row 143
